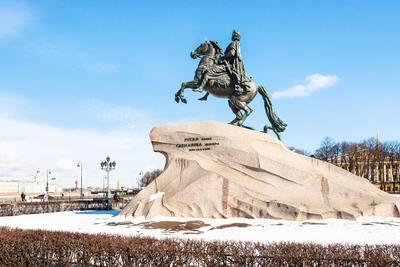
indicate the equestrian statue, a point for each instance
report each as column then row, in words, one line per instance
column 224, row 76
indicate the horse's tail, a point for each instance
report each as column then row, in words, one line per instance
column 278, row 125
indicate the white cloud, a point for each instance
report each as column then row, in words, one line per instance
column 65, row 164
column 13, row 20
column 313, row 83
column 27, row 146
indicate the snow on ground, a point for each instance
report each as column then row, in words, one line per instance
column 156, row 196
column 365, row 230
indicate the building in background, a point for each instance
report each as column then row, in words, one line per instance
column 379, row 163
column 37, row 186
column 383, row 173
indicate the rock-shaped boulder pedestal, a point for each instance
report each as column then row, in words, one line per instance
column 216, row 170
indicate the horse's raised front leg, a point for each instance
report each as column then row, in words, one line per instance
column 179, row 96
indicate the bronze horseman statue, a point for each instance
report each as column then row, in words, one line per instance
column 224, row 76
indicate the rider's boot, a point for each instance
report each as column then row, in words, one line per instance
column 245, row 86
column 238, row 89
column 200, row 88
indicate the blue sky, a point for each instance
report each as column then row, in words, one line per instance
column 83, row 79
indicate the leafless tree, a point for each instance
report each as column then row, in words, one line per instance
column 362, row 157
column 326, row 149
column 149, row 177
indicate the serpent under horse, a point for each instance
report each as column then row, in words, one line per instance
column 219, row 84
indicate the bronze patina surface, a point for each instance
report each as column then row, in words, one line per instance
column 224, row 76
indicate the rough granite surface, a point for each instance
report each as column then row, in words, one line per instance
column 216, row 170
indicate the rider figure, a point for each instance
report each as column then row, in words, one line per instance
column 233, row 62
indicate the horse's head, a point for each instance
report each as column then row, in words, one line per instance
column 201, row 50
column 207, row 48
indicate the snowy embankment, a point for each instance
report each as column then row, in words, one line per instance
column 365, row 230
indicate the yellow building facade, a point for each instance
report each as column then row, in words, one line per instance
column 384, row 174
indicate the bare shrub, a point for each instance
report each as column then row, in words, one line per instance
column 48, row 248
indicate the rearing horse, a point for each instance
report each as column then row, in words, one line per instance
column 219, row 84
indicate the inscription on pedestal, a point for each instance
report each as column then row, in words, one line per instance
column 198, row 143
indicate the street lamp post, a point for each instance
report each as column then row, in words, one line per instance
column 47, row 180
column 108, row 166
column 81, row 166
column 140, row 177
column 37, row 176
column 104, row 178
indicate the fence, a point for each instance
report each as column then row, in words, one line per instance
column 19, row 208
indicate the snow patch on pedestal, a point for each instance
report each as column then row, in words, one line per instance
column 156, row 196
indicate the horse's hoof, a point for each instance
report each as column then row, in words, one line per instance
column 177, row 99
column 236, row 123
column 248, row 127
column 248, row 112
column 184, row 100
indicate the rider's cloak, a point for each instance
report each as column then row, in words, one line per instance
column 234, row 57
